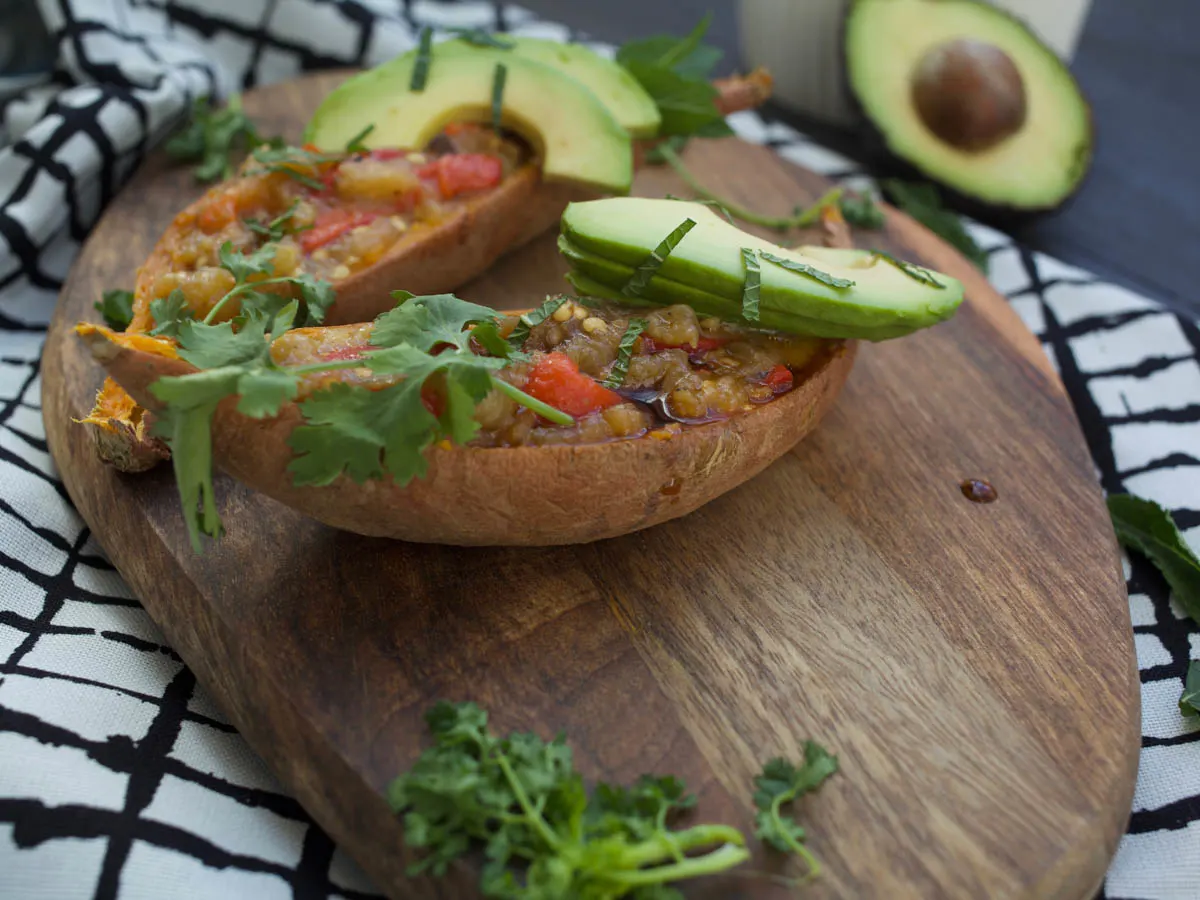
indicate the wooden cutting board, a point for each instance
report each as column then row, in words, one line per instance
column 972, row 665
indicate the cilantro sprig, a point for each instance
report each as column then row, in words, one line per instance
column 295, row 162
column 211, row 137
column 781, row 783
column 116, row 306
column 276, row 229
column 353, row 430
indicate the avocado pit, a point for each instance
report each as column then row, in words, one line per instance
column 970, row 94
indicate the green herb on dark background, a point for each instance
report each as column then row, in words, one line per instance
column 923, row 203
column 116, row 307
column 861, row 211
column 212, row 137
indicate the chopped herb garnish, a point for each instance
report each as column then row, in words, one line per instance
column 116, row 307
column 644, row 272
column 915, row 272
column 420, row 72
column 349, row 430
column 616, row 376
column 800, row 217
column 480, row 37
column 923, row 203
column 211, row 137
column 751, row 286
column 292, row 161
column 169, row 313
column 530, row 320
column 498, row 79
column 355, row 144
column 861, row 211
column 1189, row 701
column 280, row 226
column 807, row 270
column 780, row 783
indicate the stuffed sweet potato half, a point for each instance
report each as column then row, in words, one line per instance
column 505, row 139
column 447, row 422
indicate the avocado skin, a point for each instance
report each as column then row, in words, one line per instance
column 872, row 148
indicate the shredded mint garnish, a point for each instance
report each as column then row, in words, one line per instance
column 355, row 144
column 805, row 269
column 532, row 319
column 624, row 353
column 644, row 272
column 916, row 273
column 750, row 287
column 420, row 73
column 498, row 78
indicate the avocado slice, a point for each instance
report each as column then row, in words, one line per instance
column 573, row 133
column 594, row 276
column 606, row 240
column 611, row 82
column 969, row 96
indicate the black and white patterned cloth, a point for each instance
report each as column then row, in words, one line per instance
column 117, row 775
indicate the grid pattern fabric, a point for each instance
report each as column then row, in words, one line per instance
column 117, row 776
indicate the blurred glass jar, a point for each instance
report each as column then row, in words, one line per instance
column 800, row 41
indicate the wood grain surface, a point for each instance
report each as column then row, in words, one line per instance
column 971, row 664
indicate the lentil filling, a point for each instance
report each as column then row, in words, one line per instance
column 684, row 370
column 334, row 214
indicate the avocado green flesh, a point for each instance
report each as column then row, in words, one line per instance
column 612, row 84
column 575, row 135
column 622, row 232
column 1037, row 167
column 599, row 277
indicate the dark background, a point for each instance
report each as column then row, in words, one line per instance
column 1136, row 220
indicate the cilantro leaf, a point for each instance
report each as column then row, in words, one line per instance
column 429, row 321
column 211, row 346
column 211, row 137
column 264, row 390
column 780, row 783
column 169, row 313
column 242, row 265
column 279, row 227
column 1189, row 700
column 923, row 203
column 1146, row 527
column 116, row 307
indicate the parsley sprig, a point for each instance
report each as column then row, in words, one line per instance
column 353, row 430
column 543, row 835
column 211, row 137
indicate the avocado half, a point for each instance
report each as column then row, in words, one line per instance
column 966, row 94
column 575, row 135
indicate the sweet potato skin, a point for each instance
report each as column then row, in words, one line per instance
column 519, row 496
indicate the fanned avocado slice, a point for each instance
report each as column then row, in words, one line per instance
column 838, row 293
column 968, row 95
column 611, row 82
column 573, row 133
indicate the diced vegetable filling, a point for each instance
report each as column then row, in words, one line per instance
column 681, row 370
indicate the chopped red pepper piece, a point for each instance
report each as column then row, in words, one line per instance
column 704, row 344
column 457, row 173
column 385, row 153
column 557, row 381
column 779, row 379
column 331, row 225
column 354, row 351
